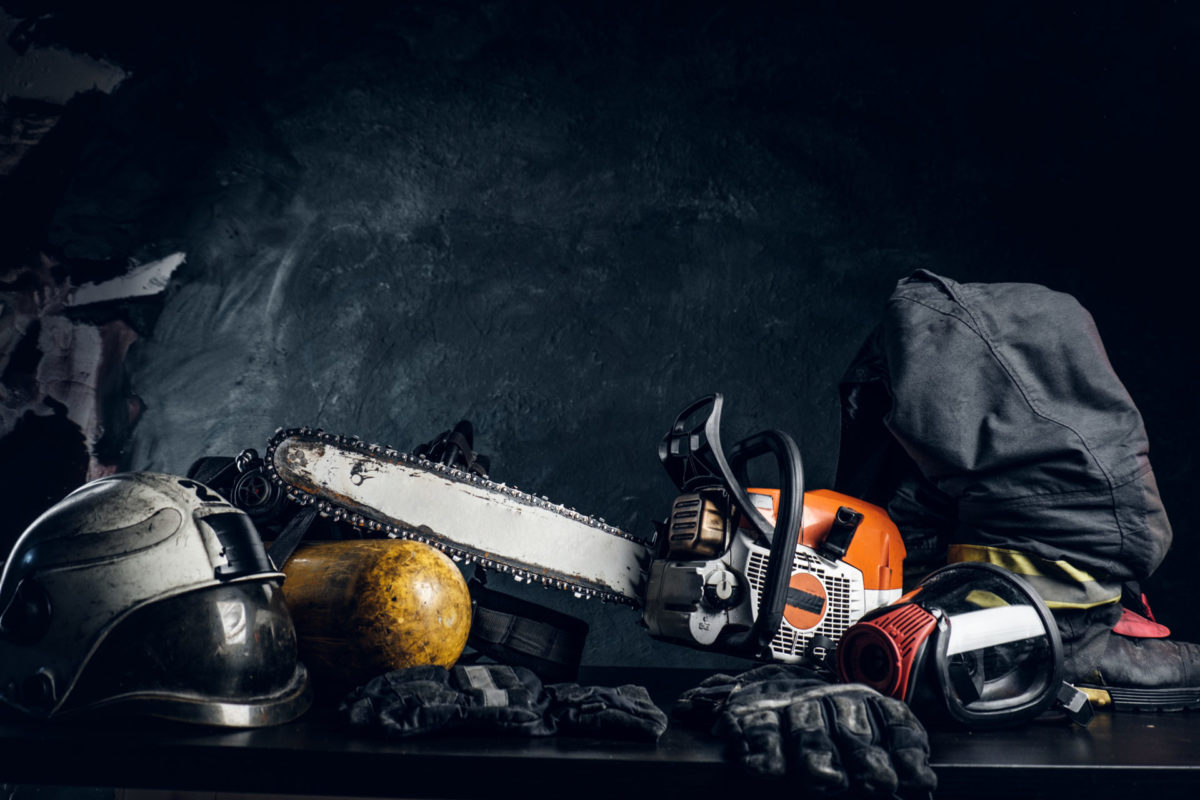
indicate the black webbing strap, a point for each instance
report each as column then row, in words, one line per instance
column 517, row 632
column 288, row 540
column 455, row 449
column 213, row 471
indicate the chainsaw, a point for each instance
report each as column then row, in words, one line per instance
column 761, row 573
column 775, row 574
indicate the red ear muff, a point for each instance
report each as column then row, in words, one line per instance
column 883, row 652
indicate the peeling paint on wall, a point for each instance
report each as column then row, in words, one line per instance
column 140, row 281
column 68, row 370
column 50, row 74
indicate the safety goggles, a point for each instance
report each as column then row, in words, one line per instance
column 973, row 642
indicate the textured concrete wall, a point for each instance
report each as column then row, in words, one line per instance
column 565, row 221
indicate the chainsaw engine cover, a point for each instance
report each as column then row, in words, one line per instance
column 700, row 601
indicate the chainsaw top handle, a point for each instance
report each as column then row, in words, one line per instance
column 694, row 458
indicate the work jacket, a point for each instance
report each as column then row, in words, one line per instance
column 987, row 419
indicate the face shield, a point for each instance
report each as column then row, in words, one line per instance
column 973, row 642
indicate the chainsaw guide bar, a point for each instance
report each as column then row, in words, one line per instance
column 472, row 519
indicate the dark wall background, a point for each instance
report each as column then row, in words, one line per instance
column 565, row 221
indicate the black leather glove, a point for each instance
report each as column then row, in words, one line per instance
column 498, row 698
column 624, row 712
column 417, row 700
column 781, row 719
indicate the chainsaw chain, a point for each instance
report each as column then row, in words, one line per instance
column 421, row 534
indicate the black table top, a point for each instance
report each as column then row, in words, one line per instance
column 1116, row 756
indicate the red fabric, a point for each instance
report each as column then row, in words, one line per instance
column 1139, row 627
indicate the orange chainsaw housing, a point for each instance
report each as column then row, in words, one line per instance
column 877, row 549
column 833, row 594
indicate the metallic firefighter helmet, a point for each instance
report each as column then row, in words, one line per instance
column 149, row 594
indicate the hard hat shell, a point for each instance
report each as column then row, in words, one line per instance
column 147, row 593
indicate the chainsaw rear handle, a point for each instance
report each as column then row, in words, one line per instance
column 694, row 458
column 789, row 518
